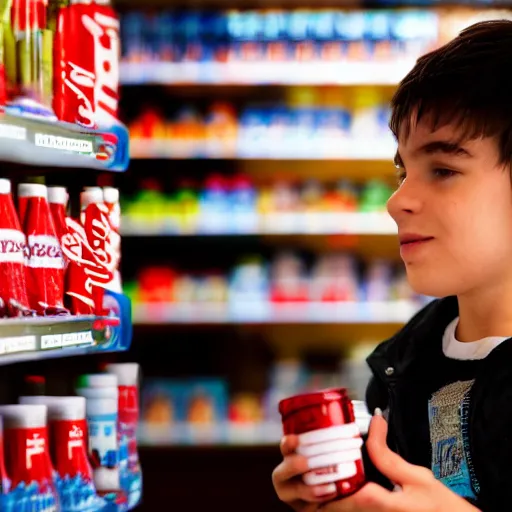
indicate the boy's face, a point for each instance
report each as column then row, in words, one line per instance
column 453, row 209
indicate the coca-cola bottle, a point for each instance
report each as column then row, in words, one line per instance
column 27, row 458
column 13, row 288
column 45, row 261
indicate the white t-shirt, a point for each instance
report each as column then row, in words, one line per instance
column 471, row 350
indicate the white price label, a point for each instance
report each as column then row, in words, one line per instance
column 52, row 341
column 17, row 344
column 64, row 143
column 11, row 131
column 77, row 338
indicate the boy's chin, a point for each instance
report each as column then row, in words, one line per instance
column 437, row 288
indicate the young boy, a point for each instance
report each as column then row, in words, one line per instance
column 444, row 381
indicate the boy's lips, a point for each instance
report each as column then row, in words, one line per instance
column 411, row 242
column 411, row 238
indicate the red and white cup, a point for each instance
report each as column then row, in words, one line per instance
column 329, row 438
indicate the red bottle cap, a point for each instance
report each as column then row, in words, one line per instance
column 313, row 411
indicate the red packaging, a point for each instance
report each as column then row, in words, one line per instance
column 111, row 198
column 58, row 201
column 326, row 419
column 27, row 458
column 45, row 265
column 68, row 434
column 86, row 64
column 87, row 249
column 13, row 288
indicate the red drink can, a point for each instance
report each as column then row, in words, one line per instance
column 86, row 64
column 329, row 437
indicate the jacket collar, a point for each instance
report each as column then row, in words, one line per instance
column 421, row 336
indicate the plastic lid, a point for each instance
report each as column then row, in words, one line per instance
column 5, row 186
column 59, row 407
column 97, row 380
column 32, row 190
column 93, row 195
column 24, row 416
column 101, row 406
column 127, row 373
column 111, row 194
column 98, row 393
column 58, row 195
column 293, row 403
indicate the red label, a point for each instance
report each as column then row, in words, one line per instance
column 87, row 65
column 68, row 445
column 26, row 456
column 129, row 405
column 89, row 268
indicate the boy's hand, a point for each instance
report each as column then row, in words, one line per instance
column 287, row 479
column 420, row 491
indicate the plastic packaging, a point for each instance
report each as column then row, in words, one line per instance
column 45, row 265
column 102, row 415
column 111, row 199
column 131, row 477
column 328, row 436
column 13, row 287
column 27, row 459
column 68, row 435
column 58, row 200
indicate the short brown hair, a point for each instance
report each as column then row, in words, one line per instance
column 468, row 82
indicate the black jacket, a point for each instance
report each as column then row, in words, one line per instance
column 490, row 414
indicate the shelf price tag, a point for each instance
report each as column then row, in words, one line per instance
column 17, row 344
column 53, row 341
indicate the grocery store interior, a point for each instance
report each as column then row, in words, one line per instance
column 256, row 248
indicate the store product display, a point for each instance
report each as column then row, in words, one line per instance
column 61, row 452
column 276, row 35
column 333, row 127
column 329, row 437
column 287, row 279
column 236, row 205
column 51, row 260
column 55, row 80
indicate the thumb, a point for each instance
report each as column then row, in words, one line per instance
column 390, row 464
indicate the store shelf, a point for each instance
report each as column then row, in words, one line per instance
column 243, row 312
column 228, row 434
column 368, row 149
column 26, row 339
column 272, row 224
column 384, row 73
column 40, row 142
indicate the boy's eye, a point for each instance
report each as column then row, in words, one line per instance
column 443, row 173
column 400, row 175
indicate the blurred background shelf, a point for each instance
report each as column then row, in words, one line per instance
column 274, row 224
column 265, row 73
column 396, row 312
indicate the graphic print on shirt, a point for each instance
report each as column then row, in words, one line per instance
column 450, row 460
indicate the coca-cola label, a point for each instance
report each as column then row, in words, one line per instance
column 44, row 251
column 88, row 252
column 91, row 72
column 12, row 246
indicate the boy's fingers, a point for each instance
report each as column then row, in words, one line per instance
column 289, row 445
column 292, row 466
column 388, row 462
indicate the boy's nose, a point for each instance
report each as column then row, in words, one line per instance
column 405, row 200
